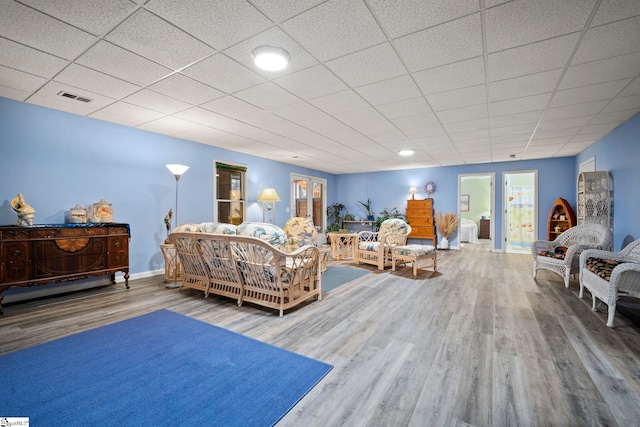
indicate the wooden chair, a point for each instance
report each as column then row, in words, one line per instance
column 608, row 275
column 375, row 247
column 562, row 254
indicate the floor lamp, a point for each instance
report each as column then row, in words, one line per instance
column 177, row 171
column 268, row 197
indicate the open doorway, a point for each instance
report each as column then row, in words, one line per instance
column 520, row 214
column 476, row 195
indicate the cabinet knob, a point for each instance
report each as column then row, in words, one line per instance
column 16, row 252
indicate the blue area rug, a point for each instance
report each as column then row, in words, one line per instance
column 158, row 369
column 337, row 276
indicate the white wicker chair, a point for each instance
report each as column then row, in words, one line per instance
column 607, row 280
column 575, row 240
column 375, row 247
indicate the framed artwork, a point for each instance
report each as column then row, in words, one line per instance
column 464, row 202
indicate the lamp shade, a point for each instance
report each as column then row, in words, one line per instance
column 268, row 195
column 270, row 58
column 177, row 170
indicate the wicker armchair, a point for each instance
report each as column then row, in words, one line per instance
column 301, row 230
column 277, row 279
column 562, row 255
column 607, row 275
column 375, row 247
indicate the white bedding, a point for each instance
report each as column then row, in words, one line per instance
column 468, row 231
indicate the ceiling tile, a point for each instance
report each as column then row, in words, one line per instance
column 525, row 129
column 534, row 58
column 519, row 105
column 335, row 28
column 267, row 96
column 426, row 132
column 129, row 113
column 446, row 43
column 186, row 89
column 217, row 121
column 18, row 80
column 392, row 90
column 588, row 93
column 367, row 121
column 299, row 111
column 532, row 84
column 95, row 81
column 584, row 109
column 147, row 35
column 469, row 134
column 52, row 89
column 602, row 128
column 458, row 98
column 416, row 121
column 280, row 10
column 168, row 126
column 339, row 102
column 463, row 114
column 117, row 62
column 623, row 103
column 232, row 107
column 408, row 16
column 632, row 89
column 156, row 101
column 42, row 32
column 404, row 108
column 468, row 125
column 614, row 10
column 368, row 66
column 452, row 76
column 604, row 70
column 516, row 118
column 93, row 16
column 527, row 21
column 12, row 93
column 223, row 73
column 311, row 83
column 564, row 123
column 23, row 58
column 609, row 40
column 219, row 23
column 614, row 117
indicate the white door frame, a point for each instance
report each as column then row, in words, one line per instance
column 492, row 179
column 505, row 222
column 310, row 181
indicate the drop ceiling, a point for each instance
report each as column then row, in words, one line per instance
column 458, row 81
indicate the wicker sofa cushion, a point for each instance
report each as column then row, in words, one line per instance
column 217, row 228
column 270, row 233
column 187, row 228
column 602, row 267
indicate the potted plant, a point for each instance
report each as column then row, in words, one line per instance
column 366, row 206
column 386, row 214
column 446, row 225
column 334, row 217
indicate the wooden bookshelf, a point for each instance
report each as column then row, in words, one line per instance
column 561, row 218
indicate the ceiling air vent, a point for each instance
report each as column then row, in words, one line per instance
column 72, row 96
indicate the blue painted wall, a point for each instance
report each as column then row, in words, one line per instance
column 619, row 153
column 57, row 160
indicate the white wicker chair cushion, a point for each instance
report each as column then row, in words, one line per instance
column 369, row 246
column 270, row 233
column 419, row 250
column 394, row 225
column 217, row 228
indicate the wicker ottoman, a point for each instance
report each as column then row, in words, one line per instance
column 421, row 256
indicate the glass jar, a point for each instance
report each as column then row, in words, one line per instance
column 77, row 215
column 100, row 212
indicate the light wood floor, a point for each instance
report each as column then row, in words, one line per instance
column 478, row 343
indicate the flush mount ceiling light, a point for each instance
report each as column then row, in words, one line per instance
column 406, row 153
column 270, row 58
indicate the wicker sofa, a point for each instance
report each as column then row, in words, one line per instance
column 247, row 263
column 562, row 255
column 608, row 275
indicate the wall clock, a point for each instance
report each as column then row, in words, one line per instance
column 430, row 188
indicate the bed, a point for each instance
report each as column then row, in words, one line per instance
column 468, row 231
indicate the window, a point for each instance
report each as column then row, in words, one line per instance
column 230, row 193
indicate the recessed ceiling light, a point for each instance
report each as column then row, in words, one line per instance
column 406, row 153
column 270, row 58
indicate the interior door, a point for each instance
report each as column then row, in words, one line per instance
column 520, row 213
column 308, row 198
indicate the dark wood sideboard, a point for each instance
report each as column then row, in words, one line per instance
column 39, row 254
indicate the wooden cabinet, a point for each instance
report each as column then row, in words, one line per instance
column 40, row 254
column 561, row 218
column 485, row 229
column 420, row 218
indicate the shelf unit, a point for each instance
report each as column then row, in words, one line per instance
column 561, row 218
column 594, row 198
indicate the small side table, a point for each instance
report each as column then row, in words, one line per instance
column 172, row 265
column 342, row 245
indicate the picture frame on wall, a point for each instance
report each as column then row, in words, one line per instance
column 464, row 202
